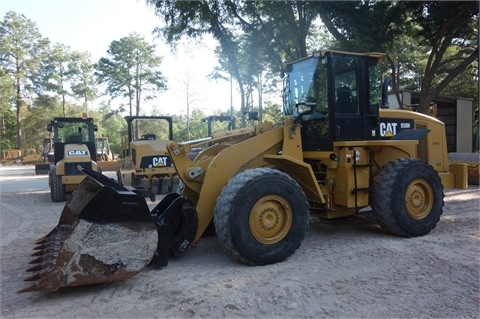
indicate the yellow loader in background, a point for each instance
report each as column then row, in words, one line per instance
column 339, row 150
column 73, row 145
column 105, row 158
column 47, row 157
column 146, row 163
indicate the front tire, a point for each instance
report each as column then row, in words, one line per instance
column 407, row 197
column 57, row 189
column 261, row 216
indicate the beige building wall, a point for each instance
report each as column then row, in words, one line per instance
column 464, row 136
column 456, row 113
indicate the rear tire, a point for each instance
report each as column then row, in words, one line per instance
column 261, row 216
column 57, row 189
column 407, row 197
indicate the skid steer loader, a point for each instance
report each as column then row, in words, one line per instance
column 339, row 149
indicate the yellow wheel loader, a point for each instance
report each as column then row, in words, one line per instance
column 73, row 145
column 18, row 156
column 105, row 158
column 43, row 167
column 146, row 163
column 339, row 150
column 103, row 151
column 219, row 118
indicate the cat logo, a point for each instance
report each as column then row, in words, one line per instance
column 388, row 129
column 77, row 153
column 160, row 161
column 391, row 127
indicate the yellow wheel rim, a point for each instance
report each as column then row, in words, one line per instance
column 270, row 219
column 419, row 199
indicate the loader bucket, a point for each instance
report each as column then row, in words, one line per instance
column 105, row 234
column 42, row 169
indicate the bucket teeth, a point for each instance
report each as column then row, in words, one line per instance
column 105, row 233
column 39, row 274
column 33, row 277
column 35, row 268
column 41, row 240
column 41, row 268
column 37, row 253
column 36, row 260
column 47, row 249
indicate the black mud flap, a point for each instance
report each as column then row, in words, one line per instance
column 177, row 224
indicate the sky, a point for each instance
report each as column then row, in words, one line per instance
column 91, row 25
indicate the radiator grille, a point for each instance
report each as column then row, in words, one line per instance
column 71, row 168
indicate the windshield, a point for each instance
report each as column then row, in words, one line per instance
column 150, row 129
column 74, row 132
column 306, row 82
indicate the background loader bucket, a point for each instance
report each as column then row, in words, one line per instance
column 42, row 169
column 105, row 234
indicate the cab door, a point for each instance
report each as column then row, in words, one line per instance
column 354, row 94
column 346, row 94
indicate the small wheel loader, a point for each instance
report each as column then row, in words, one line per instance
column 73, row 144
column 48, row 157
column 219, row 118
column 146, row 163
column 338, row 150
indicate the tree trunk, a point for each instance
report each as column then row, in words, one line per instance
column 19, row 103
column 260, row 98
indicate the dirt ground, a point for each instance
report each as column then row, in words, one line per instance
column 345, row 268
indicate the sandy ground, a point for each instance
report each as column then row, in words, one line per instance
column 346, row 268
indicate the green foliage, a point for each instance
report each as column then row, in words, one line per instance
column 429, row 43
column 432, row 47
column 8, row 134
column 254, row 36
column 110, row 124
column 451, row 30
column 21, row 50
column 131, row 71
column 82, row 80
column 272, row 112
column 36, row 120
column 7, row 115
column 54, row 72
column 198, row 128
column 43, row 110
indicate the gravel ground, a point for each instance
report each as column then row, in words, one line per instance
column 345, row 268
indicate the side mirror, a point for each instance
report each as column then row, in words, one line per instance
column 49, row 127
column 95, row 127
column 305, row 108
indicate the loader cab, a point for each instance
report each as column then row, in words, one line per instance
column 336, row 96
column 218, row 118
column 72, row 130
